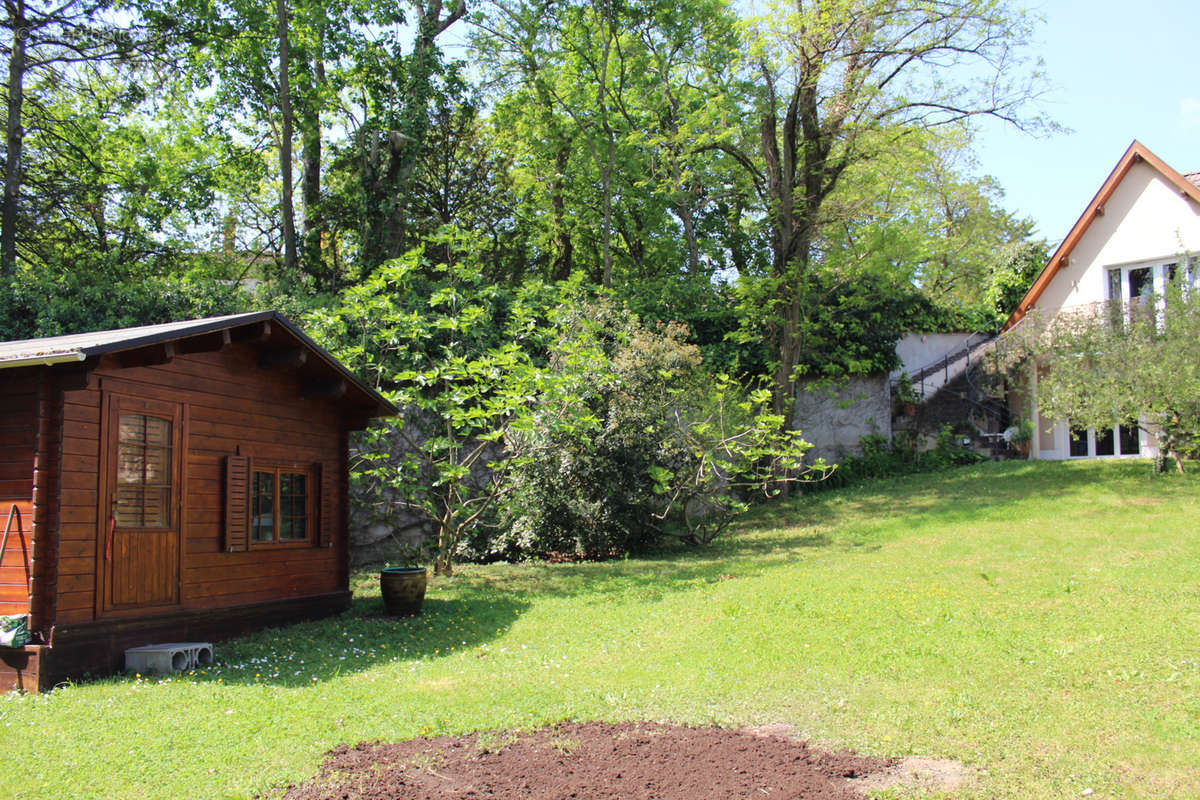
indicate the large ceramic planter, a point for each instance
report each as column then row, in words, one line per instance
column 403, row 590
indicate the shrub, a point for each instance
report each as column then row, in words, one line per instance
column 637, row 441
column 903, row 456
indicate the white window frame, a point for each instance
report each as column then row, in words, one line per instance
column 1159, row 268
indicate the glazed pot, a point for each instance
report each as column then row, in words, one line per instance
column 403, row 590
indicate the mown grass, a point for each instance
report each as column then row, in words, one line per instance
column 1040, row 622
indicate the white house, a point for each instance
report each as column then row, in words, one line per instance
column 1141, row 226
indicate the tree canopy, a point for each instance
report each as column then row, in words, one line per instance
column 646, row 221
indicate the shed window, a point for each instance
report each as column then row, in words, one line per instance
column 281, row 504
column 143, row 472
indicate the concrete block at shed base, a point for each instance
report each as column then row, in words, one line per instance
column 171, row 657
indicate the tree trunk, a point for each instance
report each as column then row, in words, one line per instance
column 15, row 138
column 311, row 181
column 387, row 192
column 290, row 259
column 563, row 248
column 606, row 183
column 683, row 203
column 736, row 239
column 607, row 168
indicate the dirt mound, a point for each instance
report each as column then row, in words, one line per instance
column 591, row 761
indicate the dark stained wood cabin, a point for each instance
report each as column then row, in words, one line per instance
column 176, row 482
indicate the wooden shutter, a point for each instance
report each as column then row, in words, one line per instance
column 237, row 503
column 326, row 504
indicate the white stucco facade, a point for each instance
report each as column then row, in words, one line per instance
column 1145, row 220
column 1144, row 224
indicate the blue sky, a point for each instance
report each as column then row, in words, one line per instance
column 1118, row 71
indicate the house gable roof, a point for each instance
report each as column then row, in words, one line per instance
column 1187, row 185
column 81, row 347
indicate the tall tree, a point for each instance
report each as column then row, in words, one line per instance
column 392, row 137
column 117, row 188
column 832, row 79
column 286, row 207
column 604, row 102
column 54, row 44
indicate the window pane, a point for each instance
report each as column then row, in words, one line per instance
column 262, row 528
column 143, row 471
column 262, row 517
column 131, row 464
column 297, row 506
column 1114, row 285
column 285, row 528
column 158, row 432
column 1128, row 437
column 1141, row 283
column 1079, row 442
column 132, row 428
column 158, row 465
column 130, row 499
column 156, row 512
column 1105, row 443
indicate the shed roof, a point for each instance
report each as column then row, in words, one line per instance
column 78, row 347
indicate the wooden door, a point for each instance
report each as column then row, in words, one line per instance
column 140, row 551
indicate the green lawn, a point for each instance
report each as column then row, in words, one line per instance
column 1040, row 622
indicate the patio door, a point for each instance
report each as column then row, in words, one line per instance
column 140, row 547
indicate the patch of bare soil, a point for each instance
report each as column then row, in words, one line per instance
column 940, row 775
column 593, row 761
column 927, row 775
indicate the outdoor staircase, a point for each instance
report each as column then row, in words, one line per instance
column 927, row 380
column 951, row 392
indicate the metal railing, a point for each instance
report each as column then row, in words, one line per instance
column 945, row 363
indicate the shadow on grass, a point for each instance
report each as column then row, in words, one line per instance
column 481, row 603
column 361, row 638
column 778, row 533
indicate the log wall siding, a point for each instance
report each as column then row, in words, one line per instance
column 19, row 391
column 231, row 405
column 47, row 477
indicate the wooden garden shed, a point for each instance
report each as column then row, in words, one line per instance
column 175, row 482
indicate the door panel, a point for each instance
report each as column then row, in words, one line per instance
column 141, row 551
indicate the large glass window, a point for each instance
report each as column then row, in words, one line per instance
column 1079, row 442
column 280, row 505
column 143, row 472
column 1128, row 440
column 1141, row 284
column 1123, row 440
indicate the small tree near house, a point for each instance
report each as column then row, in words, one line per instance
column 1135, row 365
column 443, row 345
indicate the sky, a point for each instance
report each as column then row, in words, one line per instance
column 1118, row 71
